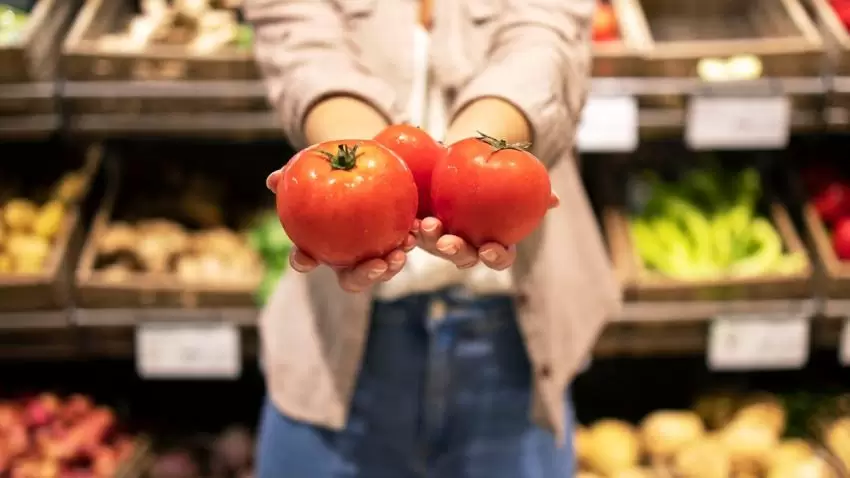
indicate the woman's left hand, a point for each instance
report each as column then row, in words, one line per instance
column 431, row 236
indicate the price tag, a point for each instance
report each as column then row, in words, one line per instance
column 188, row 350
column 758, row 342
column 844, row 344
column 608, row 125
column 738, row 123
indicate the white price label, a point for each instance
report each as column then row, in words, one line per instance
column 608, row 125
column 188, row 350
column 844, row 344
column 738, row 123
column 757, row 342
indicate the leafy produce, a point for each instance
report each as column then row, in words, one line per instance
column 50, row 437
column 420, row 152
column 271, row 242
column 343, row 202
column 28, row 227
column 829, row 193
column 486, row 190
column 13, row 22
column 706, row 225
column 202, row 26
column 749, row 442
column 229, row 455
column 605, row 23
column 162, row 246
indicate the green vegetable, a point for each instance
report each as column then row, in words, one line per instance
column 268, row 238
column 13, row 23
column 706, row 226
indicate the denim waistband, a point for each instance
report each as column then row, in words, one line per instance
column 456, row 304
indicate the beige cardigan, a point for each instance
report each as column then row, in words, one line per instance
column 533, row 53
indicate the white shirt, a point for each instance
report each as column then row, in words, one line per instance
column 423, row 271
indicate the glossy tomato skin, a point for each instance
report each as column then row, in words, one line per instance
column 343, row 217
column 484, row 194
column 420, row 152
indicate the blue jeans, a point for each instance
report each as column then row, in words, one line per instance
column 444, row 392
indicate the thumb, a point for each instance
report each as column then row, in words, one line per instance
column 273, row 180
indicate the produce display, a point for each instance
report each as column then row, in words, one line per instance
column 605, row 23
column 486, row 190
column 344, row 202
column 187, row 237
column 829, row 192
column 272, row 244
column 202, row 26
column 51, row 437
column 734, row 68
column 28, row 226
column 706, row 224
column 723, row 436
column 12, row 24
column 420, row 152
column 229, row 455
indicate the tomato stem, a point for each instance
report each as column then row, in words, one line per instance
column 500, row 144
column 344, row 159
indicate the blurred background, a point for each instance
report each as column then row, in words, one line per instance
column 137, row 242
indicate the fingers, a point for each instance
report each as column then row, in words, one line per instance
column 430, row 230
column 457, row 250
column 554, row 201
column 362, row 276
column 301, row 262
column 496, row 256
column 273, row 180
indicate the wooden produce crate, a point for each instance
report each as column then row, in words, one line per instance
column 148, row 189
column 621, row 57
column 86, row 59
column 35, row 56
column 837, row 272
column 835, row 36
column 778, row 32
column 641, row 284
column 50, row 288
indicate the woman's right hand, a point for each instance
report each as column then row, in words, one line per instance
column 363, row 275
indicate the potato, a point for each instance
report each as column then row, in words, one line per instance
column 28, row 252
column 665, row 432
column 614, row 446
column 6, row 264
column 119, row 237
column 49, row 219
column 19, row 214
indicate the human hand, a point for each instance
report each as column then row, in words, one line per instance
column 431, row 237
column 362, row 276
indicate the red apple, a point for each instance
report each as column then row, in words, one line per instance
column 833, row 202
column 841, row 239
column 604, row 23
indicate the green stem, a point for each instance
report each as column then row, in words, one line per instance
column 344, row 159
column 500, row 144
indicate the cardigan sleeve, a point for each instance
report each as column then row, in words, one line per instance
column 539, row 61
column 301, row 49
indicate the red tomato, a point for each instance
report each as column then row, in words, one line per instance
column 344, row 202
column 604, row 23
column 833, row 202
column 485, row 190
column 841, row 239
column 420, row 152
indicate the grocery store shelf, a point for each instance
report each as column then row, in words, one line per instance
column 42, row 319
column 666, row 312
column 163, row 89
column 694, row 86
column 29, row 126
column 219, row 125
column 132, row 317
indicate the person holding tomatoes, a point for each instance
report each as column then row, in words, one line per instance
column 442, row 358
